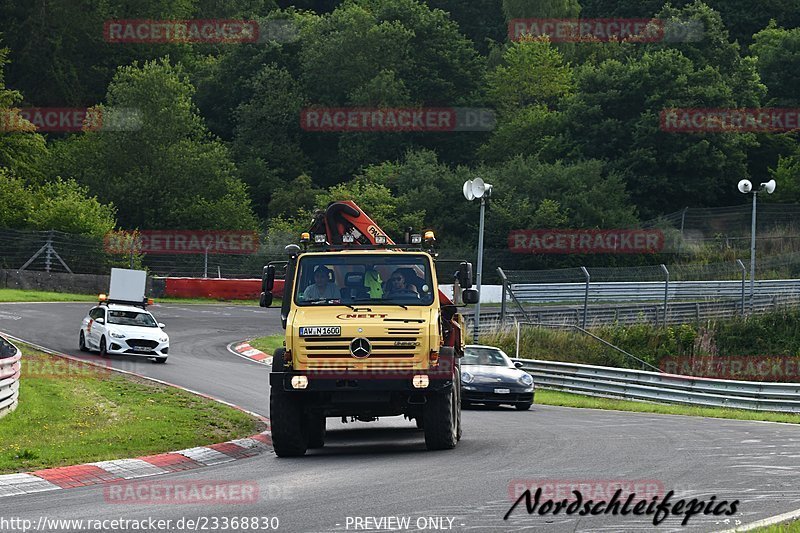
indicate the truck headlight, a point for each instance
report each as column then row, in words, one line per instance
column 526, row 379
column 117, row 334
column 466, row 377
column 299, row 382
column 420, row 381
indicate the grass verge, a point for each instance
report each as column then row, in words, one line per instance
column 19, row 295
column 792, row 527
column 267, row 344
column 549, row 397
column 70, row 413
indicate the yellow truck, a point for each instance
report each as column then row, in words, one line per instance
column 368, row 333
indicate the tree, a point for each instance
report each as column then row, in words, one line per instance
column 21, row 148
column 525, row 89
column 166, row 173
column 615, row 116
column 59, row 205
column 541, row 9
column 778, row 53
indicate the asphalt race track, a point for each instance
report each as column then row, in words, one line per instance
column 382, row 469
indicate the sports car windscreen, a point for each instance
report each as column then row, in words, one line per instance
column 376, row 279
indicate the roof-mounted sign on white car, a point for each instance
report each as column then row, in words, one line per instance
column 127, row 287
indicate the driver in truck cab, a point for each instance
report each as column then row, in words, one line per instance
column 322, row 288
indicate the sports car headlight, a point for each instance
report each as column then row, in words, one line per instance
column 526, row 379
column 117, row 334
column 466, row 377
column 163, row 339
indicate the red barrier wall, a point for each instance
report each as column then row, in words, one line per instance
column 223, row 289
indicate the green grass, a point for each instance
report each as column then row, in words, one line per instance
column 268, row 344
column 792, row 527
column 549, row 397
column 19, row 295
column 75, row 417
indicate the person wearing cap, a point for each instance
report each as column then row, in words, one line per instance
column 322, row 288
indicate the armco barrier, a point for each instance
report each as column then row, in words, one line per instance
column 223, row 289
column 660, row 387
column 10, row 357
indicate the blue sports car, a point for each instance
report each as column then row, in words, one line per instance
column 489, row 377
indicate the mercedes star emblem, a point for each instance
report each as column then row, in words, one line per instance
column 360, row 348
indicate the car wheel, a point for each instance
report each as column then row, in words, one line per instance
column 103, row 348
column 160, row 360
column 523, row 406
column 82, row 343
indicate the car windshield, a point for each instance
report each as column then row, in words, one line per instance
column 485, row 357
column 132, row 318
column 395, row 279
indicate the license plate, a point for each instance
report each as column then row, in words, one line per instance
column 141, row 349
column 502, row 391
column 320, row 331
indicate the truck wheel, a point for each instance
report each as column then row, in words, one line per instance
column 316, row 431
column 440, row 420
column 289, row 431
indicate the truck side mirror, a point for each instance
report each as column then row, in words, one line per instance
column 469, row 296
column 266, row 299
column 465, row 275
column 268, row 278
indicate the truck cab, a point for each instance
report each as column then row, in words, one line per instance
column 368, row 334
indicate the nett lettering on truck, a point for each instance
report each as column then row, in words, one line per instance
column 352, row 316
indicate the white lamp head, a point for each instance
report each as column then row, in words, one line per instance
column 769, row 186
column 478, row 187
column 468, row 190
column 745, row 186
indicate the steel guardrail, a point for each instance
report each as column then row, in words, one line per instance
column 648, row 291
column 10, row 365
column 661, row 387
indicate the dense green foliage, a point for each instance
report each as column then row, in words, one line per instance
column 220, row 144
column 774, row 334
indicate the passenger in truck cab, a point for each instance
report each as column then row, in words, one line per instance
column 398, row 285
column 322, row 288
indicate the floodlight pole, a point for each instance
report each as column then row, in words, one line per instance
column 753, row 251
column 477, row 320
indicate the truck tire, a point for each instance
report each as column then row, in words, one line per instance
column 316, row 431
column 440, row 419
column 287, row 420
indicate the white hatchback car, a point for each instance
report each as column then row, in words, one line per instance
column 123, row 330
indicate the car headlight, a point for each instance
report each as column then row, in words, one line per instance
column 466, row 377
column 163, row 339
column 526, row 379
column 117, row 334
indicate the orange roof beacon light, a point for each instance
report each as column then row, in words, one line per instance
column 305, row 237
column 102, row 298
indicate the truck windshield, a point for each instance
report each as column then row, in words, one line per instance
column 377, row 279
